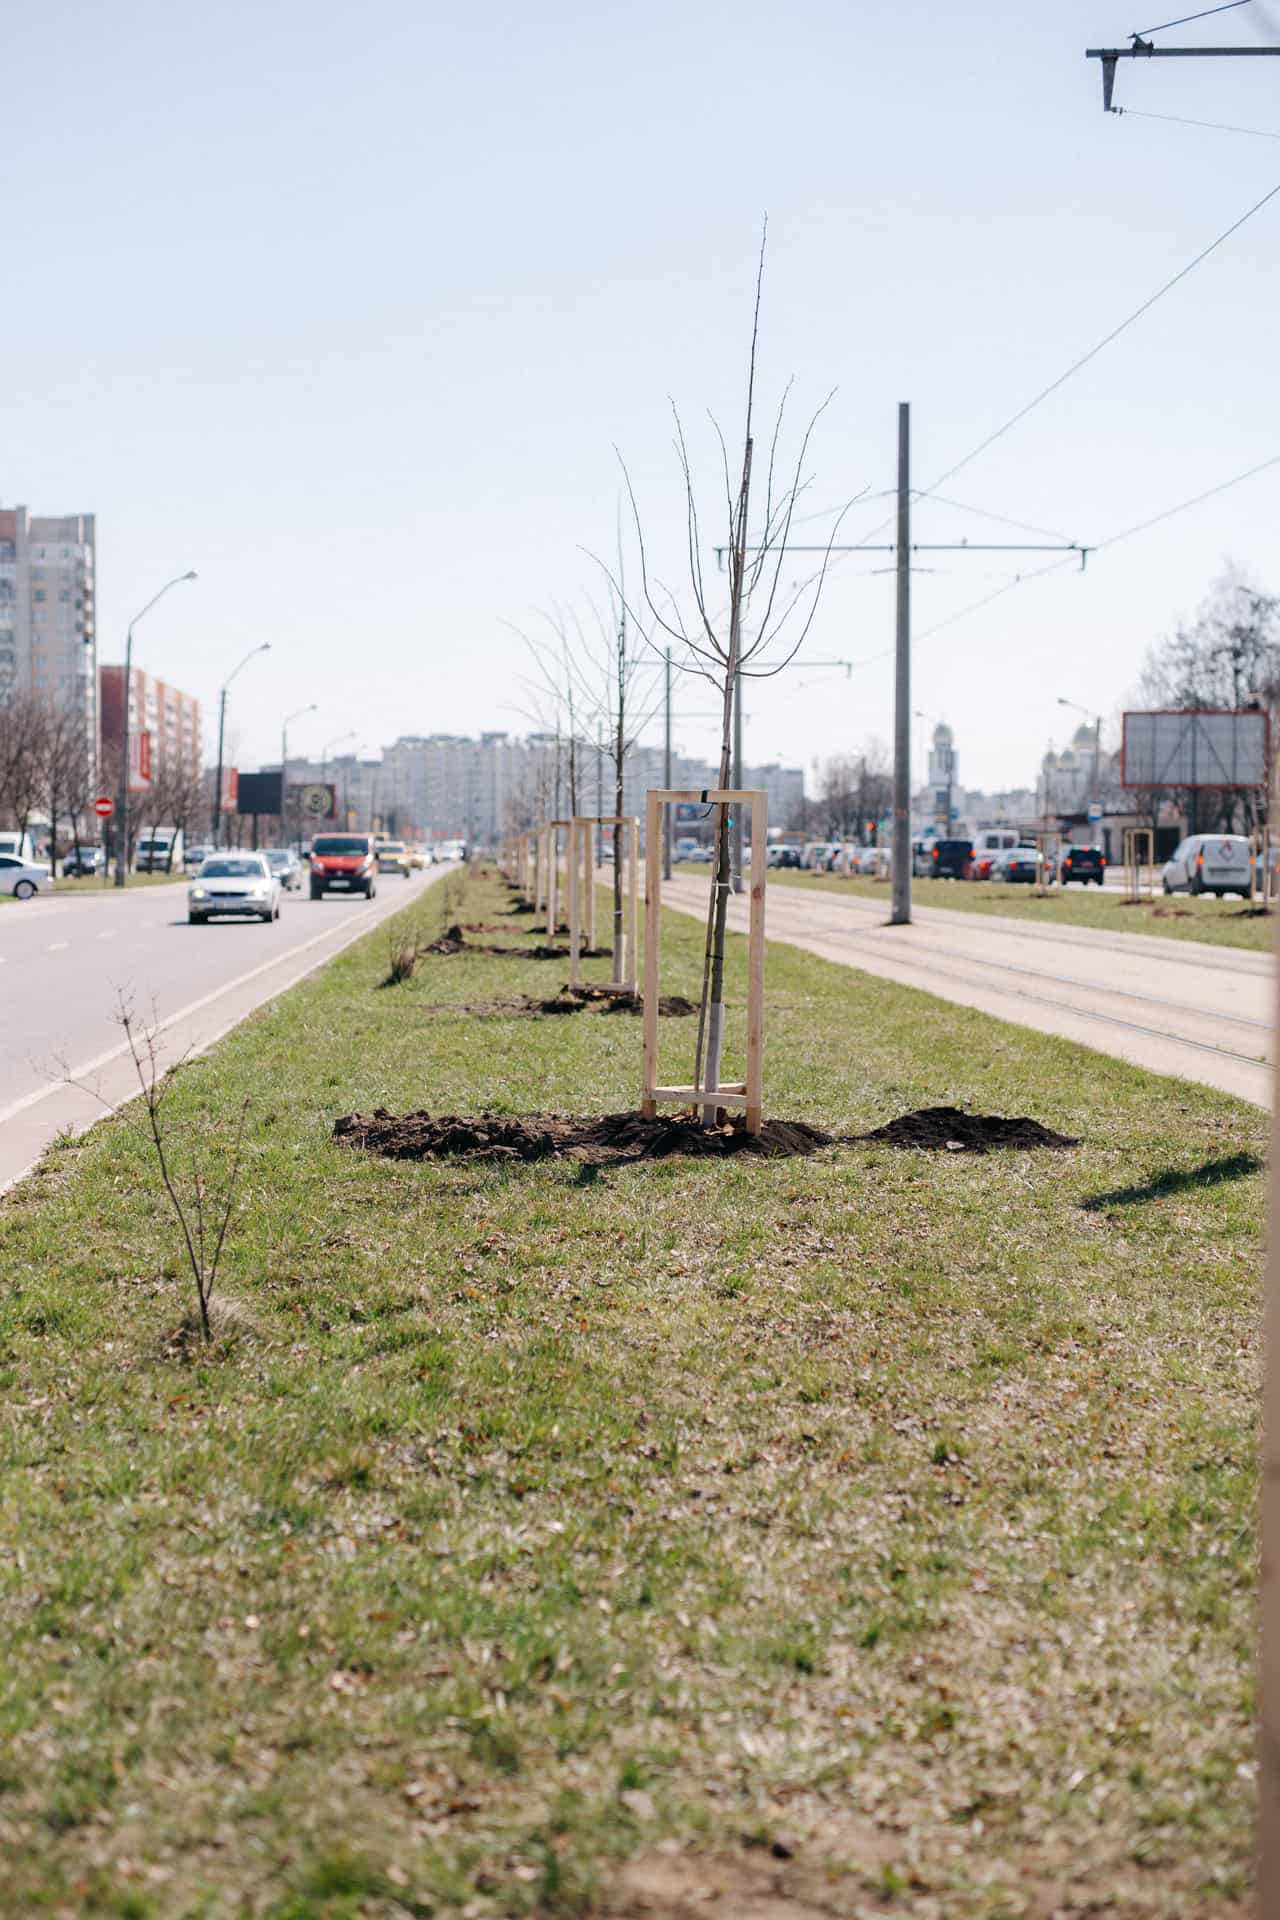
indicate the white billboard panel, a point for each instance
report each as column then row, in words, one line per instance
column 1195, row 748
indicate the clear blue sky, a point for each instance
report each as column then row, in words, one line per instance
column 347, row 307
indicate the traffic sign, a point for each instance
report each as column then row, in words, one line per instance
column 1095, row 812
column 104, row 807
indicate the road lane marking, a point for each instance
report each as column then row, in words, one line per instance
column 353, row 928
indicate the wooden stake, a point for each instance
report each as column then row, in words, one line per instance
column 755, row 963
column 1269, row 1595
column 652, row 922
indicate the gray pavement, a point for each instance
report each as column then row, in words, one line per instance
column 65, row 960
column 1176, row 1006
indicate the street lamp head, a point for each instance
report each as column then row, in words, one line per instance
column 191, row 575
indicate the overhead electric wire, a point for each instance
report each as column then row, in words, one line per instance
column 1107, row 339
column 985, row 513
column 1229, row 6
column 1069, row 560
column 1180, row 120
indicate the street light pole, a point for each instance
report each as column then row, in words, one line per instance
column 263, row 647
column 284, row 762
column 668, row 822
column 122, row 832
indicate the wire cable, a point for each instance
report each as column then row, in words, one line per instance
column 1228, row 7
column 1107, row 339
column 1178, row 120
column 985, row 513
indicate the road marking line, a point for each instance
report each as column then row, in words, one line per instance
column 354, row 929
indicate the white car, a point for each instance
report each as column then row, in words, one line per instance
column 239, row 883
column 23, row 878
column 1211, row 863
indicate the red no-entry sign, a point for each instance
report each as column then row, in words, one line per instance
column 104, row 808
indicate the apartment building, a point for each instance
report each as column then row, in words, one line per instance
column 171, row 717
column 48, row 635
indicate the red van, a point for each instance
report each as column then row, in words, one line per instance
column 343, row 863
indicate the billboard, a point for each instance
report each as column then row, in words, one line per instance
column 259, row 793
column 314, row 800
column 1195, row 747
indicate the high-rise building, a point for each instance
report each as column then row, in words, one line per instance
column 169, row 716
column 48, row 639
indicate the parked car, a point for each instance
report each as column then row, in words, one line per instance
column 193, row 858
column 700, row 856
column 81, row 861
column 951, row 859
column 1211, row 863
column 1083, row 864
column 233, row 883
column 22, row 878
column 1018, row 864
column 983, row 864
column 817, row 854
column 783, row 857
column 343, row 863
column 393, row 857
column 286, row 866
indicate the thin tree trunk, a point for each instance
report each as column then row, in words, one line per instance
column 711, row 1017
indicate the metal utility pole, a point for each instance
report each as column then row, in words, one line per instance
column 901, row 913
column 668, row 823
column 122, row 805
column 264, row 647
column 284, row 766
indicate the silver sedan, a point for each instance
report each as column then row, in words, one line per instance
column 240, row 883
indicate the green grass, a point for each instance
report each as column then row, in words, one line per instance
column 94, row 883
column 1223, row 923
column 908, row 1498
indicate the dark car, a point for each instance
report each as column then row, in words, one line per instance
column 82, row 860
column 951, row 860
column 1083, row 864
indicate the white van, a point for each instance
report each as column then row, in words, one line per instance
column 17, row 845
column 159, row 850
column 996, row 839
column 1211, row 863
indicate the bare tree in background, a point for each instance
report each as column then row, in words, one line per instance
column 24, row 737
column 756, row 634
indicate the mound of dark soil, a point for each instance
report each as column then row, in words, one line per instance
column 612, row 1140
column 671, row 1006
column 951, row 1130
column 452, row 940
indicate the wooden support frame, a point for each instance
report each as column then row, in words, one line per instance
column 582, row 896
column 1136, row 840
column 1049, row 847
column 1262, row 847
column 747, row 1093
column 552, row 831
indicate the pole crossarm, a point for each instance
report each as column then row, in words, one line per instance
column 917, row 546
column 1144, row 50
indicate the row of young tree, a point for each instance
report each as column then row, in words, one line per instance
column 746, row 622
column 48, row 774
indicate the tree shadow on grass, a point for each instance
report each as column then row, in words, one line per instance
column 1176, row 1180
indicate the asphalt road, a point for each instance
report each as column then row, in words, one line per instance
column 65, row 961
column 1177, row 1006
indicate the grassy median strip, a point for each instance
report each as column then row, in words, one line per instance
column 892, row 1510
column 1223, row 923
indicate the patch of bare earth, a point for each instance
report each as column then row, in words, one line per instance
column 612, row 1138
column 852, row 1871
